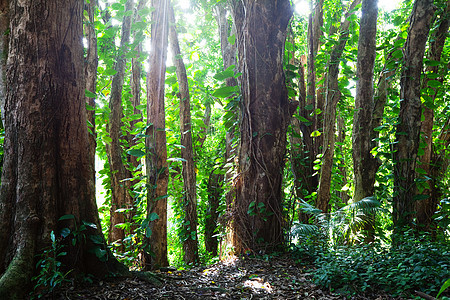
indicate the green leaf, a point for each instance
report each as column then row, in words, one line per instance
column 89, row 94
column 445, row 286
column 229, row 72
column 107, row 139
column 421, row 171
column 117, row 6
column 153, row 216
column 89, row 224
column 397, row 54
column 67, row 217
column 148, row 232
column 434, row 83
column 136, row 152
column 225, row 92
column 96, row 239
column 109, row 72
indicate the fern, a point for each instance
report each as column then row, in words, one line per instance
column 340, row 226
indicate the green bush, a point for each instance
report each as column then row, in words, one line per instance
column 413, row 264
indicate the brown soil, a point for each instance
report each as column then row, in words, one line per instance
column 247, row 278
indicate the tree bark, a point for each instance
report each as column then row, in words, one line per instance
column 4, row 40
column 425, row 208
column 229, row 57
column 135, row 82
column 407, row 135
column 120, row 187
column 156, row 158
column 90, row 72
column 265, row 116
column 190, row 244
column 365, row 164
column 332, row 99
column 46, row 172
column 308, row 105
column 215, row 184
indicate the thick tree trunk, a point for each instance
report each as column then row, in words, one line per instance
column 365, row 164
column 425, row 208
column 265, row 115
column 120, row 188
column 46, row 172
column 408, row 128
column 189, row 197
column 90, row 72
column 331, row 101
column 156, row 158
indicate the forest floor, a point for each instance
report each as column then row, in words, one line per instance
column 249, row 278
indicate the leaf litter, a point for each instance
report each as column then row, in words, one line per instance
column 243, row 279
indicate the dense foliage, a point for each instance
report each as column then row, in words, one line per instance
column 346, row 255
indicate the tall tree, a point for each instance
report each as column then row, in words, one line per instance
column 46, row 173
column 265, row 115
column 91, row 64
column 4, row 28
column 189, row 197
column 156, row 158
column 229, row 58
column 333, row 95
column 364, row 163
column 135, row 82
column 120, row 187
column 407, row 135
column 308, row 104
column 425, row 208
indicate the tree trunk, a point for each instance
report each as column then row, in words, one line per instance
column 425, row 208
column 408, row 129
column 332, row 99
column 265, row 116
column 90, row 72
column 215, row 184
column 190, row 244
column 308, row 105
column 120, row 187
column 319, row 90
column 343, row 195
column 156, row 158
column 229, row 57
column 135, row 82
column 4, row 40
column 46, row 172
column 365, row 164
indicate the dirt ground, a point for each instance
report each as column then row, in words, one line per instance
column 248, row 278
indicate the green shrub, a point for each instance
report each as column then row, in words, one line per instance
column 414, row 264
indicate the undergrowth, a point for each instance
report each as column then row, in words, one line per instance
column 412, row 265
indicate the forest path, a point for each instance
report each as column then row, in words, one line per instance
column 248, row 278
